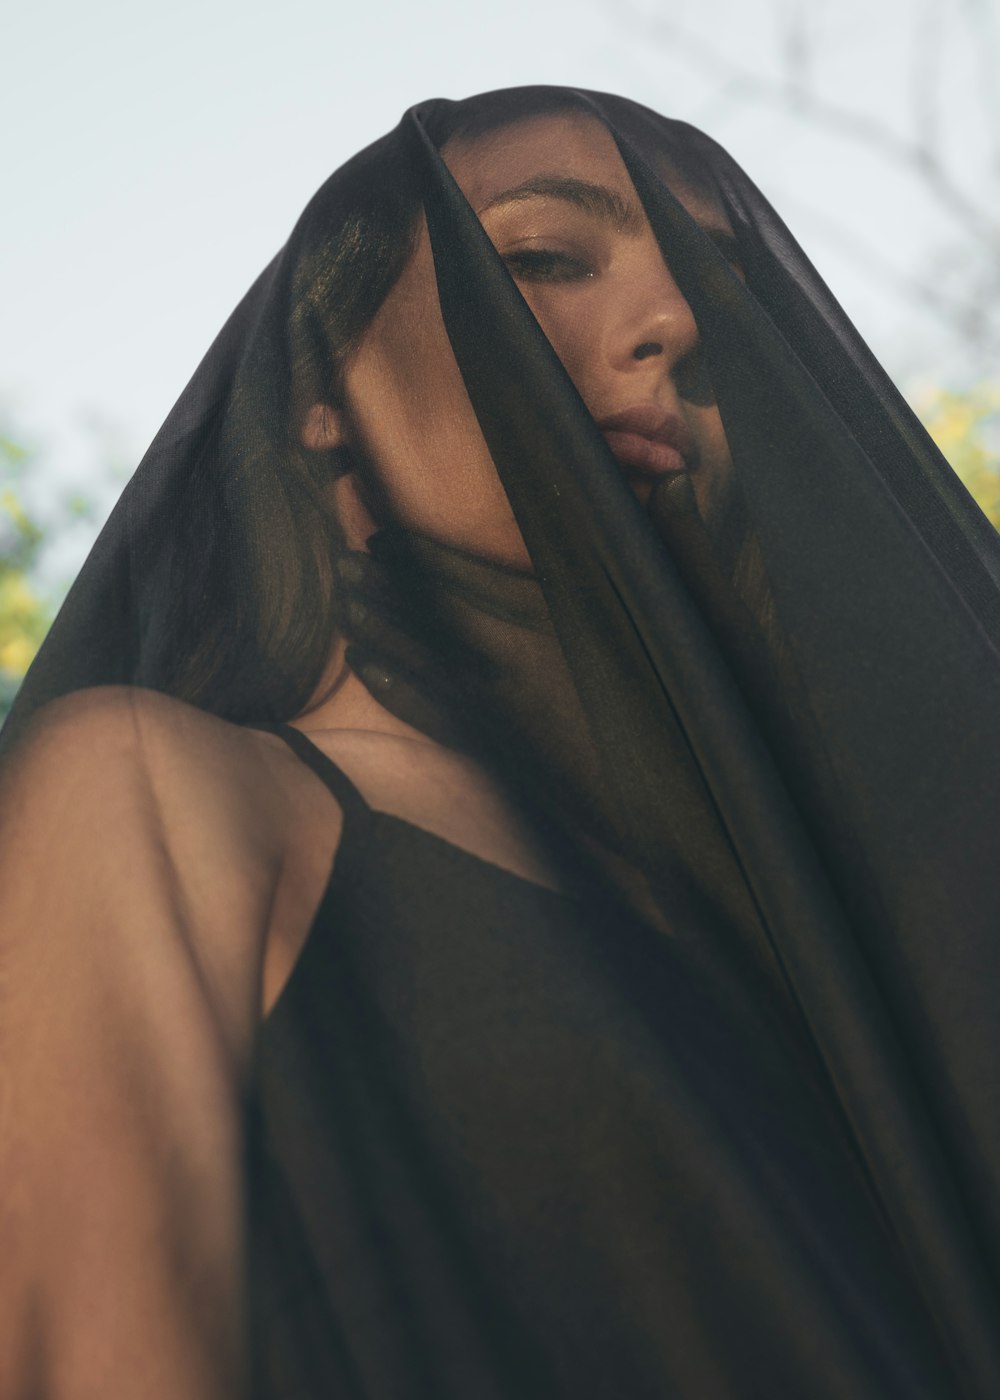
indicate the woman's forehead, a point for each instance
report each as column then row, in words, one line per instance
column 518, row 159
column 569, row 144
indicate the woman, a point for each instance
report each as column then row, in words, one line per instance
column 615, row 1016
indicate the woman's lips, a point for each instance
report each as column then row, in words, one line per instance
column 649, row 441
column 644, row 456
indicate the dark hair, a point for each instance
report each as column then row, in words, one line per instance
column 251, row 605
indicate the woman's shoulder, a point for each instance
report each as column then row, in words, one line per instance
column 125, row 752
column 222, row 788
column 122, row 724
column 110, row 731
column 156, row 811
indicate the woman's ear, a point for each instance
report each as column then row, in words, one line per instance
column 323, row 428
column 352, row 510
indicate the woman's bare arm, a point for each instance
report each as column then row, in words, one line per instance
column 137, row 876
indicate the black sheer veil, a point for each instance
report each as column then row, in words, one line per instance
column 779, row 720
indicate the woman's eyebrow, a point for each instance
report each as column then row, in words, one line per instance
column 600, row 201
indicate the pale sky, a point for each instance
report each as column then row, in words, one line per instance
column 156, row 157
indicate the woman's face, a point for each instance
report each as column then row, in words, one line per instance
column 557, row 203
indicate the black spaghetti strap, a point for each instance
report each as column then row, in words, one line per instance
column 348, row 796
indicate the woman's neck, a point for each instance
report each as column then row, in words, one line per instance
column 352, row 706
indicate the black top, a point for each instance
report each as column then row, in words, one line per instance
column 492, row 1148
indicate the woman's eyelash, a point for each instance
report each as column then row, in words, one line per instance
column 547, row 265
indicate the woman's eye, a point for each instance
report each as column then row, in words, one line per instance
column 547, row 265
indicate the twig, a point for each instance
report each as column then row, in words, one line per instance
column 865, row 130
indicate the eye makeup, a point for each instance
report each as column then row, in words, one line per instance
column 547, row 265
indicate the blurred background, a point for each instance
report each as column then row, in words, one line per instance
column 155, row 158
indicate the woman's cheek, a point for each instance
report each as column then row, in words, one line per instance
column 572, row 329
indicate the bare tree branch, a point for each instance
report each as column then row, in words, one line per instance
column 925, row 78
column 797, row 50
column 982, row 26
column 968, row 315
column 875, row 135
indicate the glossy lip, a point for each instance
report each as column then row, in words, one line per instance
column 648, row 441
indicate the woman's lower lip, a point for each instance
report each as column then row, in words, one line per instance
column 644, row 455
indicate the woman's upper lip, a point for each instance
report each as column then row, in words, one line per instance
column 656, row 425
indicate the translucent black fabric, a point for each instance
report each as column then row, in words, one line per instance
column 507, row 1142
column 761, row 737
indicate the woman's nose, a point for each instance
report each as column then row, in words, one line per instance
column 655, row 320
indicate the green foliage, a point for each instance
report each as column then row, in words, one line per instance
column 25, row 613
column 966, row 427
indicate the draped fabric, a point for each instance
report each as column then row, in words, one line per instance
column 750, row 717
